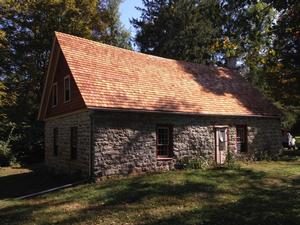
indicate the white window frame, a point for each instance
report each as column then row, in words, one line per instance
column 52, row 97
column 65, row 78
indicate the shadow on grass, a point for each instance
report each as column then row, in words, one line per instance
column 258, row 204
column 274, row 207
column 37, row 179
column 255, row 202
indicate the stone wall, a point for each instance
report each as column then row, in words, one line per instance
column 62, row 162
column 125, row 142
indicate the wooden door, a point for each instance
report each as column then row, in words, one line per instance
column 221, row 144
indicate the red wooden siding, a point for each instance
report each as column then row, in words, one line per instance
column 76, row 102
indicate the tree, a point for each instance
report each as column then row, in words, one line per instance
column 183, row 30
column 27, row 31
column 246, row 32
column 116, row 34
column 282, row 69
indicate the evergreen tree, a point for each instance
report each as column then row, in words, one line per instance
column 178, row 29
column 116, row 34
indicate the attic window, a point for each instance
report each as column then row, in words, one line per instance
column 54, row 95
column 67, row 89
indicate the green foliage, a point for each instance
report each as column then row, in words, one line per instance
column 183, row 30
column 266, row 155
column 283, row 66
column 6, row 155
column 205, row 31
column 231, row 161
column 199, row 162
column 26, row 35
column 116, row 34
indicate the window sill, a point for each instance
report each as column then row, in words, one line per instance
column 163, row 158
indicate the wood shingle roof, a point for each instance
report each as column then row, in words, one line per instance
column 112, row 78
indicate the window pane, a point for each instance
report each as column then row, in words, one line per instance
column 163, row 136
column 241, row 138
column 163, row 141
column 222, row 135
column 163, row 150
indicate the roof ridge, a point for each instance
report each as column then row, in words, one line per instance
column 136, row 52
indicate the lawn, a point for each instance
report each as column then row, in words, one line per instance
column 257, row 193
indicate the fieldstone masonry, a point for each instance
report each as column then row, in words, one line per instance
column 125, row 142
column 62, row 162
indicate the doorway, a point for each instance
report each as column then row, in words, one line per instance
column 221, row 135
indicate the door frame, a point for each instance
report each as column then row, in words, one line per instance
column 218, row 159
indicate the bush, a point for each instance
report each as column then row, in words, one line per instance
column 6, row 155
column 199, row 162
column 232, row 161
column 266, row 155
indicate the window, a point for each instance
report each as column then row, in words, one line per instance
column 74, row 138
column 164, row 141
column 55, row 141
column 54, row 95
column 67, row 89
column 241, row 138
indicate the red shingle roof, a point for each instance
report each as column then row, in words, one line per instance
column 112, row 78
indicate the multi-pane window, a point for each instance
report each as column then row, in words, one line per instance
column 54, row 95
column 55, row 141
column 164, row 141
column 74, row 140
column 67, row 89
column 241, row 138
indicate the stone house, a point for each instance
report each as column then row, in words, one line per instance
column 110, row 111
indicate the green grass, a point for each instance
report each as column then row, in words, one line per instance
column 258, row 193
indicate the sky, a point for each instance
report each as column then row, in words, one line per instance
column 128, row 11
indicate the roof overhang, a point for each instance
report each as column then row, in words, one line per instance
column 181, row 113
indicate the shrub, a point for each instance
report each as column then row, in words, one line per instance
column 266, row 155
column 232, row 161
column 6, row 155
column 199, row 162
